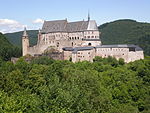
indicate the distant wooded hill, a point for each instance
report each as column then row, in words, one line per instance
column 126, row 32
column 15, row 38
column 7, row 50
column 117, row 32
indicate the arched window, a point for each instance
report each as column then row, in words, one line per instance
column 57, row 44
column 89, row 44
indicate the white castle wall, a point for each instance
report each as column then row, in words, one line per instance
column 114, row 52
column 91, row 43
column 87, row 55
column 92, row 34
column 128, row 56
column 132, row 56
column 67, row 55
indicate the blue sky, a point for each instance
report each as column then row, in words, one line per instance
column 15, row 14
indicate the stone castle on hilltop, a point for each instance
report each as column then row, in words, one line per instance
column 78, row 41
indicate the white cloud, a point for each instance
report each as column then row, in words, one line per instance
column 38, row 21
column 8, row 26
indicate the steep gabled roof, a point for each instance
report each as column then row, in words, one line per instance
column 54, row 26
column 77, row 26
column 92, row 25
column 64, row 26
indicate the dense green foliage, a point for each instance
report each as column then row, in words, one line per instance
column 16, row 38
column 7, row 50
column 46, row 85
column 126, row 32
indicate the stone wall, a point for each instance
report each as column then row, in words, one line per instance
column 92, row 34
column 114, row 52
column 87, row 55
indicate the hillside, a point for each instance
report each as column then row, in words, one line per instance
column 7, row 50
column 15, row 38
column 126, row 32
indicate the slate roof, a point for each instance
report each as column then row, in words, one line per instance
column 74, row 50
column 64, row 26
column 137, row 48
column 77, row 26
column 54, row 26
column 68, row 49
column 92, row 25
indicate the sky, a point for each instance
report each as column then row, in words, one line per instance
column 17, row 14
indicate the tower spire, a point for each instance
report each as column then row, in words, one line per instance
column 88, row 15
column 25, row 32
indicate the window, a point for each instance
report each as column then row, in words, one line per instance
column 88, row 36
column 131, row 49
column 57, row 44
column 89, row 44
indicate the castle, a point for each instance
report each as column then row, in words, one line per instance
column 78, row 41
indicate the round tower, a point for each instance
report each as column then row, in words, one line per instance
column 39, row 37
column 25, row 42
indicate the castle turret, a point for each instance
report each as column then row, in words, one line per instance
column 25, row 42
column 88, row 16
column 39, row 37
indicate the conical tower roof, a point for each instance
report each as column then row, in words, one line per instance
column 25, row 33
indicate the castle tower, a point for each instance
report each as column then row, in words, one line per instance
column 25, row 42
column 39, row 37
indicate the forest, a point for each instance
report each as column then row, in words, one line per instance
column 7, row 50
column 44, row 85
